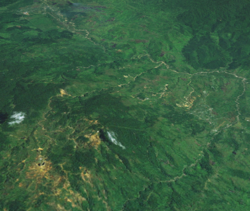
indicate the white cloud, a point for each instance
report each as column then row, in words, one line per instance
column 112, row 138
column 17, row 117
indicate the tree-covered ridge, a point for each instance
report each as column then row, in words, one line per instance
column 123, row 106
